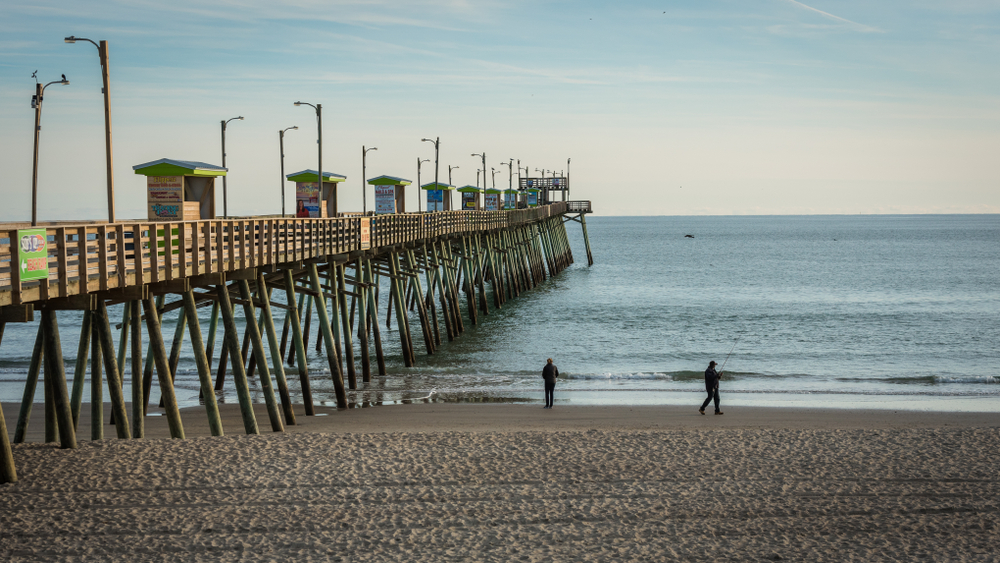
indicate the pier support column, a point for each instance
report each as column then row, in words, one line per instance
column 80, row 371
column 111, row 371
column 96, row 388
column 339, row 288
column 373, row 315
column 201, row 360
column 30, row 385
column 276, row 360
column 418, row 290
column 8, row 472
column 57, row 370
column 232, row 347
column 362, row 289
column 266, row 385
column 138, row 416
column 298, row 345
column 159, row 353
column 324, row 324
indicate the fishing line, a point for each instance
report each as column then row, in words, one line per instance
column 730, row 354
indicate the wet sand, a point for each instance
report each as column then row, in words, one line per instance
column 461, row 482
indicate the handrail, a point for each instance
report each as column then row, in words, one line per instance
column 88, row 257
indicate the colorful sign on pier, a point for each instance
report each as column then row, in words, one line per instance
column 33, row 254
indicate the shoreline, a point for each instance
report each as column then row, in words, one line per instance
column 507, row 417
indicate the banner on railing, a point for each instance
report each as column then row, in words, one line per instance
column 32, row 254
column 366, row 233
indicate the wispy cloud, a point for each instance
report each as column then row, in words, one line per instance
column 844, row 21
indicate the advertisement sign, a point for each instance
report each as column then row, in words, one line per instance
column 307, row 199
column 468, row 202
column 532, row 199
column 32, row 254
column 435, row 200
column 492, row 202
column 165, row 197
column 366, row 233
column 385, row 200
column 510, row 200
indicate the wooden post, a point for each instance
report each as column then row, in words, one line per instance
column 362, row 290
column 159, row 353
column 55, row 367
column 324, row 324
column 339, row 289
column 8, row 473
column 138, row 416
column 51, row 420
column 212, row 331
column 232, row 345
column 480, row 276
column 298, row 344
column 308, row 320
column 80, row 371
column 96, row 388
column 201, row 360
column 298, row 315
column 30, row 385
column 446, row 311
column 147, row 371
column 111, row 370
column 272, row 344
column 470, row 290
column 273, row 413
column 450, row 269
column 586, row 239
column 429, row 299
column 373, row 316
column 411, row 264
column 397, row 297
column 334, row 326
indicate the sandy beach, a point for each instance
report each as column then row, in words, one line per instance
column 500, row 482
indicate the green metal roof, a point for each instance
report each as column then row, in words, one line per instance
column 170, row 167
column 307, row 176
column 389, row 181
column 471, row 189
column 496, row 191
column 437, row 186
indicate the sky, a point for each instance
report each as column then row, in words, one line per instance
column 664, row 107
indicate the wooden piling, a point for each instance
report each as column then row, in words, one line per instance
column 162, row 365
column 201, row 360
column 586, row 239
column 138, row 416
column 362, row 289
column 339, row 290
column 397, row 297
column 373, row 316
column 273, row 412
column 8, row 472
column 276, row 356
column 298, row 344
column 324, row 323
column 111, row 371
column 30, row 385
column 232, row 345
column 55, row 367
column 425, row 328
column 96, row 388
column 80, row 371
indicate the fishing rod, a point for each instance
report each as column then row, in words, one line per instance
column 727, row 357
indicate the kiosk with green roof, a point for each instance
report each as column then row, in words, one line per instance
column 491, row 201
column 531, row 197
column 312, row 202
column 438, row 196
column 470, row 197
column 390, row 194
column 179, row 190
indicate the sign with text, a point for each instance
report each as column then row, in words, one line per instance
column 510, row 200
column 165, row 197
column 33, row 254
column 307, row 199
column 366, row 233
column 435, row 200
column 492, row 202
column 385, row 200
column 532, row 199
column 468, row 202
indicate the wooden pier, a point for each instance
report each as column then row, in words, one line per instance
column 330, row 266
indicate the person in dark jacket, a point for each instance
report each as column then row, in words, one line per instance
column 712, row 386
column 549, row 373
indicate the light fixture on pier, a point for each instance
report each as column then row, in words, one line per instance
column 36, row 102
column 281, row 145
column 225, row 208
column 319, row 141
column 364, row 155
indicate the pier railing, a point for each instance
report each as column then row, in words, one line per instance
column 86, row 258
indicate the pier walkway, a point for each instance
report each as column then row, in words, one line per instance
column 330, row 267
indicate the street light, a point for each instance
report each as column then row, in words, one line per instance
column 36, row 102
column 543, row 171
column 319, row 141
column 450, row 168
column 281, row 144
column 225, row 208
column 364, row 164
column 484, row 168
column 419, row 162
column 437, row 146
column 495, row 177
column 566, row 191
column 102, row 53
column 510, row 171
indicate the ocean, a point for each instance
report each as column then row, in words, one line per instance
column 868, row 311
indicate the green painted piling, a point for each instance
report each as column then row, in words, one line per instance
column 138, row 416
column 201, row 360
column 324, row 323
column 80, row 371
column 273, row 412
column 96, row 388
column 276, row 356
column 111, row 370
column 298, row 344
column 162, row 365
column 60, row 394
column 232, row 345
column 30, row 385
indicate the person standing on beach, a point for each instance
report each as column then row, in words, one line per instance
column 549, row 373
column 712, row 386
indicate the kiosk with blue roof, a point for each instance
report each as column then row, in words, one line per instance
column 491, row 201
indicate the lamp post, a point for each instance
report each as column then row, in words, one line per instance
column 36, row 103
column 543, row 171
column 483, row 155
column 281, row 145
column 566, row 191
column 437, row 146
column 102, row 53
column 225, row 208
column 510, row 171
column 319, row 140
column 495, row 176
column 419, row 162
column 450, row 168
column 364, row 164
